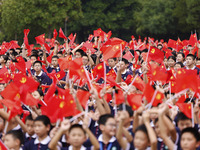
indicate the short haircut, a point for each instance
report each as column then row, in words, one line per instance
column 114, row 58
column 40, row 92
column 60, row 52
column 104, row 118
column 180, row 63
column 191, row 55
column 29, row 117
column 193, row 131
column 44, row 119
column 17, row 134
column 74, row 126
column 143, row 129
column 34, row 55
column 80, row 51
column 5, row 57
column 55, row 56
column 183, row 55
column 37, row 62
column 172, row 57
column 127, row 108
column 125, row 61
column 182, row 116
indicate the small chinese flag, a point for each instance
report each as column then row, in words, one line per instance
column 186, row 108
column 134, row 100
column 61, row 34
column 40, row 39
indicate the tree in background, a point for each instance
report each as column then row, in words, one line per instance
column 40, row 16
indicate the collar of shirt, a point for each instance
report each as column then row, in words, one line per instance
column 39, row 74
column 44, row 142
column 100, row 138
column 33, row 136
column 191, row 68
column 124, row 71
column 82, row 148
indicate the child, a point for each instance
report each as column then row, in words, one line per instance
column 190, row 139
column 41, row 128
column 108, row 126
column 14, row 139
column 30, row 134
column 76, row 136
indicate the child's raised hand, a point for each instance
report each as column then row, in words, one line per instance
column 65, row 125
column 163, row 108
column 53, row 132
column 86, row 121
column 146, row 116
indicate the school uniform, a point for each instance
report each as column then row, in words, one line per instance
column 37, row 145
column 194, row 68
column 51, row 68
column 112, row 144
column 43, row 78
column 71, row 148
column 125, row 74
column 27, row 137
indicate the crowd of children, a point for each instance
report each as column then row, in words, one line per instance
column 103, row 94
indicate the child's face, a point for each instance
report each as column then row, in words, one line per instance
column 76, row 137
column 182, row 124
column 30, row 127
column 10, row 142
column 141, row 141
column 110, row 127
column 40, row 129
column 188, row 141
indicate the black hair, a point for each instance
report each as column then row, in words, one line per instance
column 34, row 55
column 74, row 126
column 172, row 57
column 55, row 56
column 44, row 119
column 29, row 117
column 143, row 129
column 182, row 116
column 104, row 118
column 5, row 57
column 191, row 55
column 60, row 52
column 183, row 55
column 17, row 134
column 193, row 131
column 80, row 51
column 40, row 92
column 114, row 58
column 127, row 108
column 125, row 61
column 180, row 63
column 37, row 62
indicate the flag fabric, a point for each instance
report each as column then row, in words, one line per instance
column 61, row 34
column 134, row 100
column 55, row 33
column 111, row 52
column 40, row 39
column 193, row 40
column 83, row 97
column 2, row 146
column 156, row 54
column 185, row 108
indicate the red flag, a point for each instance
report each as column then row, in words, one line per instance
column 156, row 54
column 29, row 100
column 90, row 37
column 134, row 100
column 119, row 97
column 26, row 32
column 73, row 39
column 61, row 34
column 185, row 108
column 70, row 37
column 55, row 33
column 99, row 71
column 20, row 64
column 149, row 92
column 172, row 44
column 83, row 97
column 128, row 55
column 193, row 40
column 40, row 39
column 111, row 52
column 10, row 91
column 183, row 80
column 108, row 35
column 64, row 62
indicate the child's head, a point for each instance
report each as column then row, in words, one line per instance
column 37, row 66
column 107, row 124
column 30, row 125
column 76, row 135
column 14, row 139
column 141, row 139
column 189, row 139
column 42, row 125
column 183, row 121
column 129, row 112
column 112, row 62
